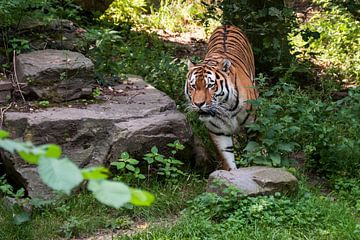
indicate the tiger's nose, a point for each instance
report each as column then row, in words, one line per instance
column 199, row 104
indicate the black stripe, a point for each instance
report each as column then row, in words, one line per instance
column 229, row 151
column 236, row 104
column 229, row 148
column 214, row 125
column 246, row 118
column 219, row 134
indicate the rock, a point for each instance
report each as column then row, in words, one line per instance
column 254, row 181
column 60, row 34
column 134, row 118
column 203, row 160
column 56, row 75
column 5, row 91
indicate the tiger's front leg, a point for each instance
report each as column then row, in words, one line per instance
column 225, row 149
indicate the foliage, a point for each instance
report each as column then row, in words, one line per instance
column 289, row 119
column 82, row 215
column 266, row 24
column 125, row 12
column 106, row 53
column 127, row 167
column 330, row 39
column 117, row 53
column 308, row 215
column 8, row 190
column 349, row 189
column 63, row 175
column 156, row 163
column 176, row 16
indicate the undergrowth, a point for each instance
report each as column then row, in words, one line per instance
column 307, row 215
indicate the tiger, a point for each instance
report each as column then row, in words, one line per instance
column 219, row 88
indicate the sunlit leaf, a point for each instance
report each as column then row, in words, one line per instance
column 141, row 197
column 29, row 157
column 3, row 134
column 95, row 173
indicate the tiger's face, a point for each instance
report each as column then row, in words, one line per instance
column 206, row 87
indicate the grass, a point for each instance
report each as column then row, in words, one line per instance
column 183, row 211
column 83, row 215
column 308, row 215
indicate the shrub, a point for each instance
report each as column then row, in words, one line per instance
column 330, row 39
column 289, row 119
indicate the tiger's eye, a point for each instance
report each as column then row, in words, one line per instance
column 211, row 85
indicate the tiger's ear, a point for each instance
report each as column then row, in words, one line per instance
column 190, row 64
column 225, row 65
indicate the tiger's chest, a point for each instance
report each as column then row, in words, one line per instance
column 225, row 124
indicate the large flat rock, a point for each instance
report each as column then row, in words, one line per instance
column 134, row 120
column 254, row 181
column 56, row 75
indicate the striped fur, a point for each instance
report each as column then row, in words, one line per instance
column 219, row 87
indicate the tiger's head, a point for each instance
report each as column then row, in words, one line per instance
column 207, row 87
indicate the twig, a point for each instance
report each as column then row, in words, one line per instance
column 16, row 78
column 2, row 112
column 131, row 97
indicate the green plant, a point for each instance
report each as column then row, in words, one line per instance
column 176, row 16
column 106, row 54
column 96, row 92
column 290, row 119
column 125, row 11
column 63, row 175
column 18, row 45
column 330, row 39
column 168, row 167
column 127, row 168
column 44, row 103
column 71, row 227
column 165, row 166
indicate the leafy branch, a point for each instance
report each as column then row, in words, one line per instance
column 63, row 175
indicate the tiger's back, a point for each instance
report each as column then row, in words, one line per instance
column 220, row 86
column 231, row 43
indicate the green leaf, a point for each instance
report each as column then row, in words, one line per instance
column 29, row 157
column 285, row 147
column 12, row 146
column 52, row 150
column 114, row 194
column 141, row 197
column 141, row 176
column 21, row 217
column 133, row 161
column 154, row 150
column 95, row 173
column 118, row 165
column 130, row 167
column 149, row 159
column 125, row 155
column 59, row 174
column 3, row 134
column 251, row 146
column 275, row 158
